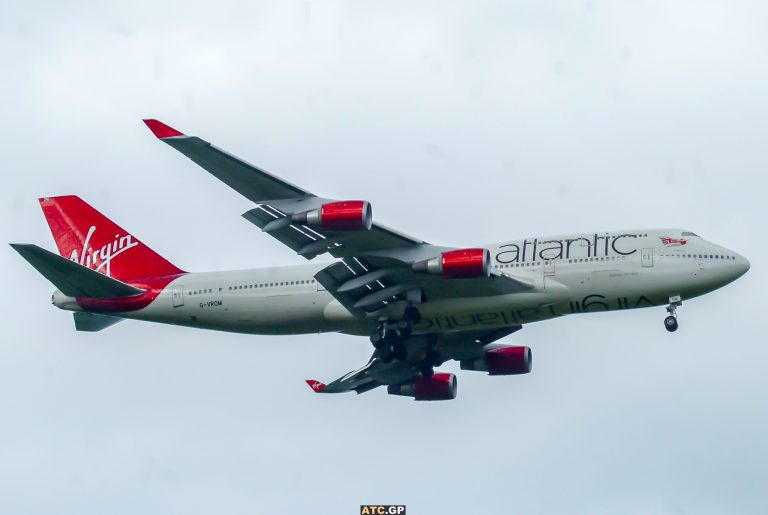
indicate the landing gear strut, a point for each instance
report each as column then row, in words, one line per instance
column 670, row 323
column 412, row 314
column 426, row 367
column 389, row 336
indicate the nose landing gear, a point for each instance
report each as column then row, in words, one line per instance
column 670, row 323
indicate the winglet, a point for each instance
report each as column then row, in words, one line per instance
column 161, row 130
column 316, row 386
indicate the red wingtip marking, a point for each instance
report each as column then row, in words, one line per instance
column 161, row 130
column 317, row 386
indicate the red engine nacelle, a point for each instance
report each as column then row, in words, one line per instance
column 458, row 264
column 440, row 387
column 502, row 361
column 348, row 215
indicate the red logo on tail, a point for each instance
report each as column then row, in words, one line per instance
column 317, row 386
column 91, row 239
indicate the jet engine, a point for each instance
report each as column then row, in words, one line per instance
column 502, row 361
column 457, row 264
column 347, row 215
column 440, row 387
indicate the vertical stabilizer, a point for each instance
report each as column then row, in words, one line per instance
column 91, row 239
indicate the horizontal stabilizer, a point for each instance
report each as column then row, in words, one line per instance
column 91, row 322
column 73, row 279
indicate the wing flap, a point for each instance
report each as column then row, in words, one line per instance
column 296, row 237
column 333, row 276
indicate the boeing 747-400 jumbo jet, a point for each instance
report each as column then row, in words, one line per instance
column 420, row 304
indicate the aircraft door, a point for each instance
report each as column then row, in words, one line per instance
column 549, row 267
column 647, row 257
column 177, row 295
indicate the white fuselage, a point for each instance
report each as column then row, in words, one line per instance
column 590, row 272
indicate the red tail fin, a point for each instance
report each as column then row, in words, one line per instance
column 86, row 236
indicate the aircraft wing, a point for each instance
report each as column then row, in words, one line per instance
column 376, row 264
column 277, row 198
column 369, row 283
column 377, row 373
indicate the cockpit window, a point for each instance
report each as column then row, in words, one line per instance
column 687, row 233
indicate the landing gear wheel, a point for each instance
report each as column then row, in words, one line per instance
column 403, row 328
column 388, row 337
column 391, row 335
column 670, row 323
column 412, row 314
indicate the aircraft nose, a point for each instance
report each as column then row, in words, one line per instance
column 743, row 264
column 738, row 267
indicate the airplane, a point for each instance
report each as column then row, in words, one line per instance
column 420, row 304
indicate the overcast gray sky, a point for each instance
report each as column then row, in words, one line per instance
column 463, row 123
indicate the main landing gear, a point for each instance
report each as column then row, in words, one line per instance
column 670, row 323
column 427, row 367
column 389, row 336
